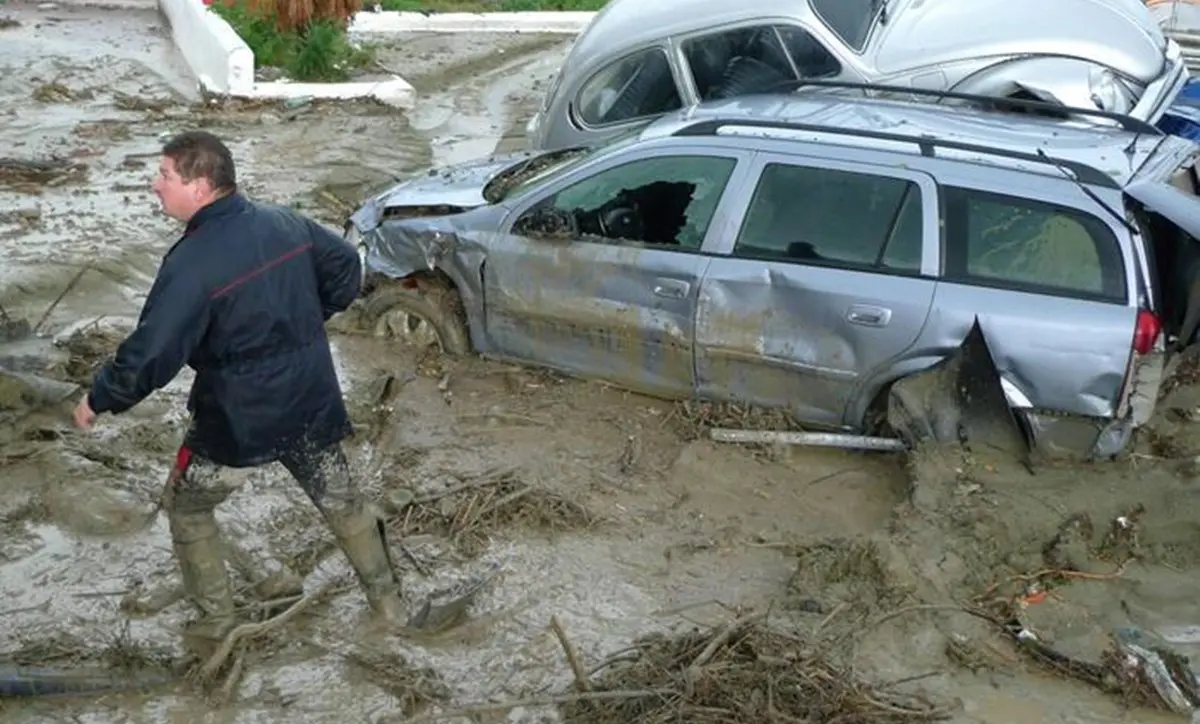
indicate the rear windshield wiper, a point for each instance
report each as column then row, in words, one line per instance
column 1090, row 194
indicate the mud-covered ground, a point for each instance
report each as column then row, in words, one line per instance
column 606, row 511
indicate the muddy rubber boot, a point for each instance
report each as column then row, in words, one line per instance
column 269, row 577
column 360, row 536
column 199, row 551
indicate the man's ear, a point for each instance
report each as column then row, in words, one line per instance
column 202, row 188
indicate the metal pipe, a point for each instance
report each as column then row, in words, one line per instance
column 815, row 439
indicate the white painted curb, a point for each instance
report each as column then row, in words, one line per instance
column 368, row 22
column 224, row 64
column 105, row 4
column 394, row 91
column 219, row 58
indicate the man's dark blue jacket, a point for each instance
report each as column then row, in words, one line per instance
column 242, row 298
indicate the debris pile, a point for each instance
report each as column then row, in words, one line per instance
column 699, row 416
column 845, row 573
column 68, row 666
column 467, row 514
column 413, row 687
column 31, row 174
column 1137, row 666
column 55, row 92
column 744, row 672
column 87, row 349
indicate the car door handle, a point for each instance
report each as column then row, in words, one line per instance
column 671, row 288
column 868, row 316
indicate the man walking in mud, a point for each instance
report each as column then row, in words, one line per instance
column 242, row 298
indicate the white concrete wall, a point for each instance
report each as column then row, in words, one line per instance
column 220, row 59
column 224, row 64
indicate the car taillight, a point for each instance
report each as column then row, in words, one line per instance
column 1145, row 335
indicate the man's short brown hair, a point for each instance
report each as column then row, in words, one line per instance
column 200, row 154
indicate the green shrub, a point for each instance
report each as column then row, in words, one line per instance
column 320, row 52
column 483, row 6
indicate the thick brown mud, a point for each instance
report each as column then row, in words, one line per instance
column 609, row 512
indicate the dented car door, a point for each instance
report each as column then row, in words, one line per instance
column 598, row 275
column 827, row 278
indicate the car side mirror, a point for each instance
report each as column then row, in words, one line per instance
column 547, row 222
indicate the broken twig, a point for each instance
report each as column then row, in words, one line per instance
column 720, row 640
column 66, row 290
column 581, row 677
column 492, row 478
column 248, row 630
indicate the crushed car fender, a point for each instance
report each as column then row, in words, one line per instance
column 405, row 246
column 958, row 400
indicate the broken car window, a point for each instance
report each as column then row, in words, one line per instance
column 850, row 19
column 752, row 60
column 662, row 200
column 813, row 215
column 1031, row 246
column 638, row 85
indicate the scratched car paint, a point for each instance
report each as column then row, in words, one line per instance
column 537, row 247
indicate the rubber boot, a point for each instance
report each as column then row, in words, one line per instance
column 199, row 551
column 360, row 536
column 270, row 578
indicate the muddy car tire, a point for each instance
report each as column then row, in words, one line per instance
column 430, row 313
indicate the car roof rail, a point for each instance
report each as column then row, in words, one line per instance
column 928, row 144
column 1129, row 123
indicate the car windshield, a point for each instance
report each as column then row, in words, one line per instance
column 539, row 169
column 850, row 19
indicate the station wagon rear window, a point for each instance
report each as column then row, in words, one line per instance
column 851, row 20
column 1032, row 246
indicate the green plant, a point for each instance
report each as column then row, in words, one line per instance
column 527, row 5
column 483, row 6
column 318, row 52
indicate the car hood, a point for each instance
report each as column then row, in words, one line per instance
column 1120, row 34
column 459, row 187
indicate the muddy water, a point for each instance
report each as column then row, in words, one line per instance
column 477, row 90
column 683, row 529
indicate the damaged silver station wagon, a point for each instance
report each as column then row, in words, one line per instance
column 810, row 251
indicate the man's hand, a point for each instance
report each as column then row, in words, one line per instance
column 84, row 416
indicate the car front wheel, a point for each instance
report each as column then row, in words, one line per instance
column 419, row 314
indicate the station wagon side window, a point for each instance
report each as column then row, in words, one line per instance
column 638, row 85
column 830, row 217
column 738, row 62
column 663, row 200
column 1033, row 246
